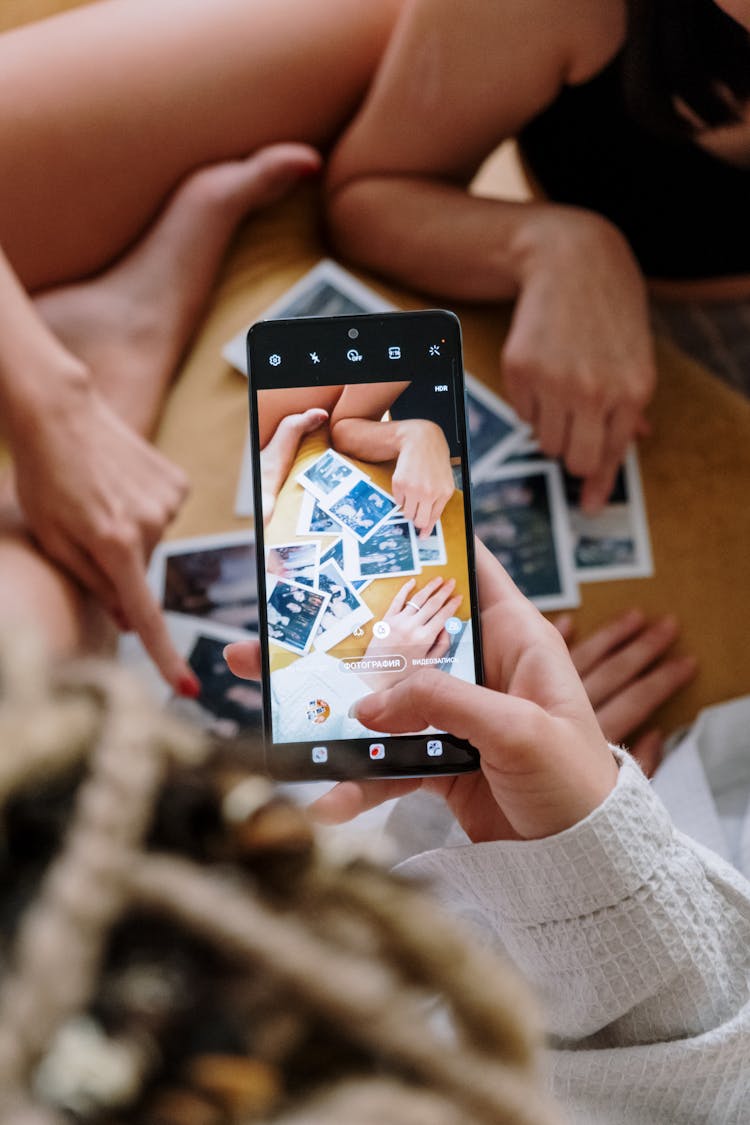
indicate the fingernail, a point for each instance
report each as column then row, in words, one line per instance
column 352, row 712
column 189, row 687
column 225, row 651
column 564, row 621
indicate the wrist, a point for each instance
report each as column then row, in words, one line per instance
column 400, row 434
column 553, row 233
column 405, row 433
column 53, row 386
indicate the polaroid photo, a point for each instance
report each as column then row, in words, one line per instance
column 495, row 430
column 362, row 509
column 326, row 290
column 520, row 515
column 227, row 706
column 313, row 520
column 432, row 549
column 527, row 450
column 212, row 578
column 616, row 542
column 295, row 562
column 243, row 497
column 344, row 552
column 335, row 552
column 328, row 477
column 345, row 611
column 294, row 614
column 389, row 553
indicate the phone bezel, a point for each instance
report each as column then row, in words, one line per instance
column 406, row 754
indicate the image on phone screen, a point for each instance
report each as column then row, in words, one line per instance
column 364, row 532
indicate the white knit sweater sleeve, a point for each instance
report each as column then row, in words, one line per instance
column 638, row 941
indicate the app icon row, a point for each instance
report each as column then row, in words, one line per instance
column 377, row 751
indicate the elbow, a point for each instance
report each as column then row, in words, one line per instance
column 359, row 204
column 348, row 217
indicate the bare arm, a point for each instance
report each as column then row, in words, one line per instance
column 34, row 365
column 422, row 480
column 95, row 495
column 455, row 81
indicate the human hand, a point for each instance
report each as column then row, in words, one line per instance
column 277, row 456
column 545, row 763
column 97, row 498
column 578, row 362
column 422, row 480
column 417, row 626
column 627, row 674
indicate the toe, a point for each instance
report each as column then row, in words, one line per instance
column 255, row 182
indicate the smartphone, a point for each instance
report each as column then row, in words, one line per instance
column 364, row 535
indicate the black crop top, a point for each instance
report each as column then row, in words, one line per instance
column 685, row 213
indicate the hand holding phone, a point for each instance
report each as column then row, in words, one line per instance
column 364, row 534
column 545, row 763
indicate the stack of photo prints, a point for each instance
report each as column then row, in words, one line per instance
column 314, row 587
column 526, row 510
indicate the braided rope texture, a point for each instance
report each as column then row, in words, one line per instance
column 177, row 947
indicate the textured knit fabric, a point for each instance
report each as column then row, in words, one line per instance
column 704, row 781
column 638, row 942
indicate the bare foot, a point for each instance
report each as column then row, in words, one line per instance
column 132, row 322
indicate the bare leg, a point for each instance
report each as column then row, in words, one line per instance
column 34, row 593
column 131, row 323
column 120, row 99
column 118, row 102
column 130, row 326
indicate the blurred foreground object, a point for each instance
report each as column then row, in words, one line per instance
column 176, row 949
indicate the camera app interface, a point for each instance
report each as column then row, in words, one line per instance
column 365, row 550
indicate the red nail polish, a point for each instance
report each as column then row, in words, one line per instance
column 189, row 686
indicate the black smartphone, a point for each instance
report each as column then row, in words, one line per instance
column 364, row 535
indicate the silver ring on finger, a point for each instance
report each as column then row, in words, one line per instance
column 413, row 605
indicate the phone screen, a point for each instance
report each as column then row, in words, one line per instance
column 364, row 535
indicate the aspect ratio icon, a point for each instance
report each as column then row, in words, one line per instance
column 394, row 353
column 275, row 360
column 354, row 356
